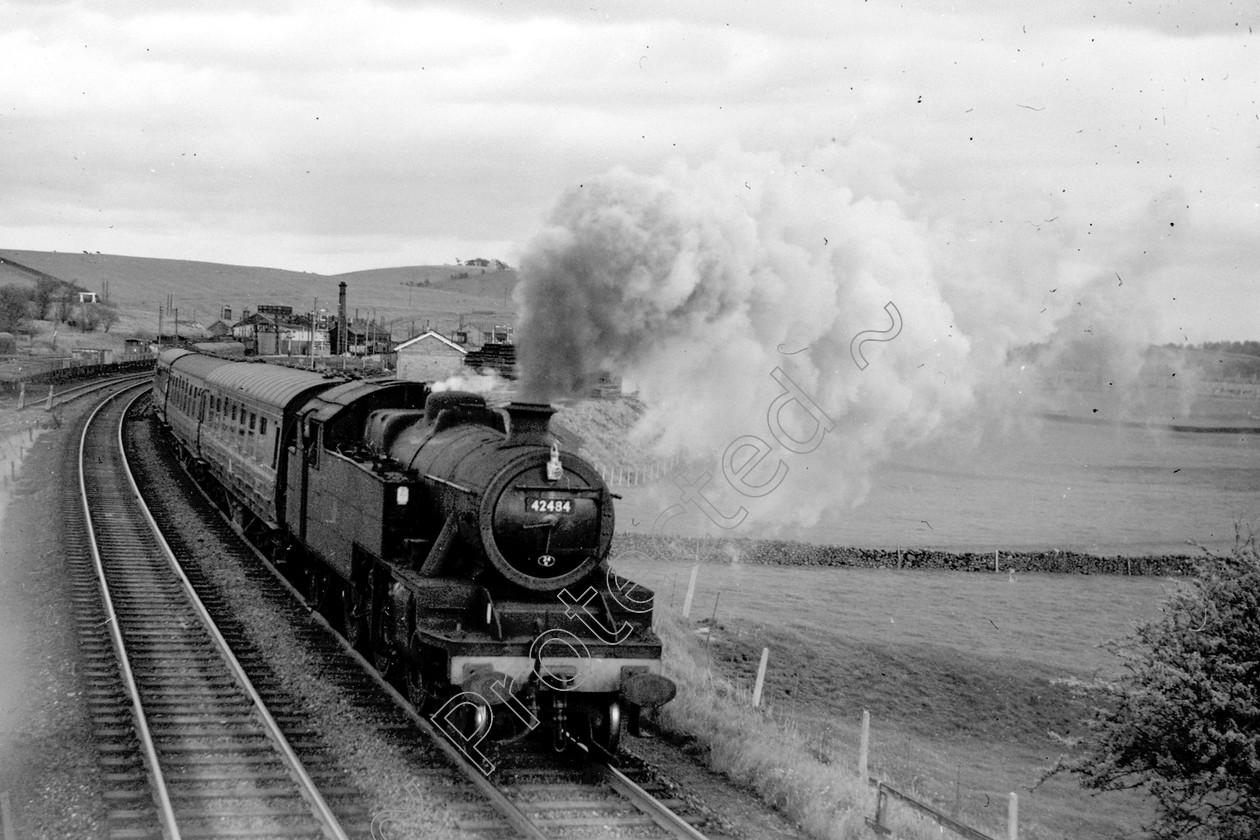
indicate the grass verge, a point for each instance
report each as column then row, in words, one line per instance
column 825, row 798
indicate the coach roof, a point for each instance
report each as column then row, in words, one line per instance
column 270, row 384
column 391, row 393
column 194, row 364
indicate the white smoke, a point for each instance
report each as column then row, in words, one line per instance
column 699, row 283
column 476, row 383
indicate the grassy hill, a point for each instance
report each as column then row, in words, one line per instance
column 434, row 296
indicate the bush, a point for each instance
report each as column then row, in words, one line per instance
column 1183, row 722
column 14, row 307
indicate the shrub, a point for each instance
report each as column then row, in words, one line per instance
column 1183, row 721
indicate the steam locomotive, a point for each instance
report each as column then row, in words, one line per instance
column 453, row 544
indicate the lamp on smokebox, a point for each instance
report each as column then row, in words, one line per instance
column 555, row 469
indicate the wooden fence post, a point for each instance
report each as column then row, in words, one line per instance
column 691, row 591
column 761, row 677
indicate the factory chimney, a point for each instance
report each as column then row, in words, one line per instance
column 341, row 318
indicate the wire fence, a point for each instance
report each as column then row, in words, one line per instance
column 633, row 474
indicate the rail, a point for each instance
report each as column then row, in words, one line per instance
column 650, row 805
column 57, row 398
column 143, row 732
column 146, row 586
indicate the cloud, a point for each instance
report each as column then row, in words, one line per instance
column 342, row 125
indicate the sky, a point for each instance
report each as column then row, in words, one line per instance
column 331, row 137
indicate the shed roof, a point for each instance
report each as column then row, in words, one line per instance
column 431, row 334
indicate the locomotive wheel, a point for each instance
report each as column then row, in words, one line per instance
column 384, row 658
column 236, row 514
column 421, row 691
column 605, row 726
column 354, row 618
column 473, row 720
column 317, row 588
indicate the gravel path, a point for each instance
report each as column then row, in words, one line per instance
column 47, row 756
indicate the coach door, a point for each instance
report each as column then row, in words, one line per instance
column 200, row 416
column 312, row 433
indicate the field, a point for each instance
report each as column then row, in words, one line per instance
column 1099, row 489
column 958, row 671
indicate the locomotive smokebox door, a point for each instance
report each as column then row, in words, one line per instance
column 545, row 530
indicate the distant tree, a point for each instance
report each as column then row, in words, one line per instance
column 45, row 290
column 14, row 307
column 1183, row 722
column 1246, row 348
column 109, row 316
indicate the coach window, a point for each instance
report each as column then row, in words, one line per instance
column 253, row 421
column 262, row 426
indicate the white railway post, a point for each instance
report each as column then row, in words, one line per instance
column 21, row 396
column 1012, row 818
column 864, row 749
column 48, row 406
column 761, row 677
column 691, row 591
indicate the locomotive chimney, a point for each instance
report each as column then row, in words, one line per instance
column 341, row 318
column 529, row 423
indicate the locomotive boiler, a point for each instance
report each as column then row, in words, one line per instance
column 456, row 545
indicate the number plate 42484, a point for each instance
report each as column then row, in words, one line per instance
column 549, row 505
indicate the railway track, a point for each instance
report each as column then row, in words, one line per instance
column 570, row 796
column 188, row 746
column 55, row 399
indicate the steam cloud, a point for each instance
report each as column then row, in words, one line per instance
column 697, row 283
